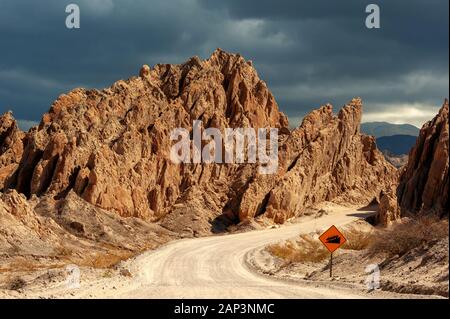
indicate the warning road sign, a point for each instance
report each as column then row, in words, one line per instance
column 332, row 239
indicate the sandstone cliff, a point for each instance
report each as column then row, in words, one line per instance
column 424, row 182
column 112, row 149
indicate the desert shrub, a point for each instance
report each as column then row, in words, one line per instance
column 306, row 249
column 358, row 240
column 402, row 237
column 63, row 251
column 106, row 260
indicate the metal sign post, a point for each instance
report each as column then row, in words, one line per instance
column 331, row 265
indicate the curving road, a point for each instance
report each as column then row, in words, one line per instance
column 213, row 267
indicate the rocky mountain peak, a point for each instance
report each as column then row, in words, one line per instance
column 111, row 147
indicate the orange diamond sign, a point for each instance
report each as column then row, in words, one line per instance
column 332, row 239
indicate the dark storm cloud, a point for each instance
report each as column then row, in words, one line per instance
column 309, row 52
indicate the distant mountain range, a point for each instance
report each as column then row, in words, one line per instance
column 396, row 144
column 394, row 140
column 380, row 129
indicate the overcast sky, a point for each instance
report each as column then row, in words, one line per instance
column 309, row 52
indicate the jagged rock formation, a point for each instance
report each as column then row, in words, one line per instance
column 325, row 159
column 424, row 182
column 11, row 145
column 112, row 148
column 388, row 210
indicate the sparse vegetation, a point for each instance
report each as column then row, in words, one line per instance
column 402, row 237
column 63, row 251
column 396, row 240
column 106, row 260
column 307, row 248
column 358, row 240
column 412, row 255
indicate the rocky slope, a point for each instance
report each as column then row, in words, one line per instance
column 112, row 149
column 424, row 182
column 46, row 233
column 412, row 257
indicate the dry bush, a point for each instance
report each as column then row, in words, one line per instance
column 63, row 251
column 358, row 240
column 306, row 249
column 105, row 260
column 402, row 237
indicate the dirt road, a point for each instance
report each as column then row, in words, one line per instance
column 211, row 267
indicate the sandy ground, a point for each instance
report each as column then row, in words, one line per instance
column 210, row 267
